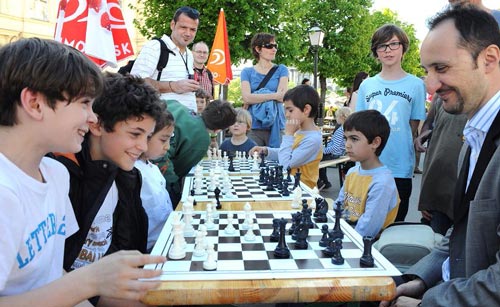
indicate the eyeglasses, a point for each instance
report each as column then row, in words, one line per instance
column 392, row 46
column 270, row 46
column 201, row 52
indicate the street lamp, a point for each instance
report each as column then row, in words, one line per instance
column 316, row 38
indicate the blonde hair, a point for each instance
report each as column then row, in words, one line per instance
column 243, row 115
column 343, row 111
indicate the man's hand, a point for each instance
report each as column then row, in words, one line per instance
column 405, row 294
column 420, row 140
column 426, row 215
column 184, row 86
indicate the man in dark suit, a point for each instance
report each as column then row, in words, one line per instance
column 461, row 54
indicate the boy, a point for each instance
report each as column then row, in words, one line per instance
column 201, row 101
column 104, row 185
column 239, row 140
column 154, row 194
column 369, row 193
column 302, row 145
column 44, row 108
column 401, row 98
column 191, row 140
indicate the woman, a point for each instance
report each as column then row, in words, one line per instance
column 265, row 132
column 360, row 76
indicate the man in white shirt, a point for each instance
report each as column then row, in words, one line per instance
column 177, row 78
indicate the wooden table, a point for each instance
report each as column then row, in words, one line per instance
column 345, row 289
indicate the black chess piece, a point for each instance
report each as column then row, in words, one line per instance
column 366, row 259
column 321, row 211
column 297, row 179
column 330, row 246
column 275, row 235
column 301, row 233
column 288, row 171
column 285, row 191
column 282, row 251
column 317, row 200
column 262, row 175
column 337, row 255
column 337, row 231
column 194, row 200
column 296, row 222
column 231, row 164
column 324, row 239
column 292, row 228
column 218, row 205
column 262, row 159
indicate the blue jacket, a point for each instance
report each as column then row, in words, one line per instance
column 268, row 115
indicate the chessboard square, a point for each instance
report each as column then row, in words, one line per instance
column 229, row 255
column 256, row 265
column 262, row 216
column 196, row 266
column 327, row 264
column 265, row 233
column 351, row 253
column 270, row 246
column 229, row 247
column 230, row 265
column 283, row 264
column 229, row 239
column 213, row 233
column 320, row 254
column 348, row 245
column 177, row 265
column 308, row 264
column 315, row 232
column 314, row 245
column 255, row 255
column 253, row 246
column 303, row 254
column 265, row 222
column 235, row 234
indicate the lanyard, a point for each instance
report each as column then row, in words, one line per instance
column 185, row 63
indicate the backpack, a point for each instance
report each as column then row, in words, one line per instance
column 162, row 61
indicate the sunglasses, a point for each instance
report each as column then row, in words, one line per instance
column 270, row 46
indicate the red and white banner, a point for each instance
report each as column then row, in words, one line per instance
column 219, row 61
column 95, row 27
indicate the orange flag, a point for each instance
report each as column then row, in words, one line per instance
column 219, row 62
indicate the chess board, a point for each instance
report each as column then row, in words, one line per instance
column 240, row 166
column 244, row 188
column 238, row 259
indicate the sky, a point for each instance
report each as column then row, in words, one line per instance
column 417, row 12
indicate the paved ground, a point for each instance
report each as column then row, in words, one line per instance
column 413, row 213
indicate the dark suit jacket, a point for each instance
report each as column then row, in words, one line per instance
column 473, row 242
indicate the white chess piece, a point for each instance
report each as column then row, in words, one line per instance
column 177, row 249
column 297, row 198
column 199, row 247
column 248, row 211
column 211, row 263
column 230, row 227
column 250, row 236
column 209, row 220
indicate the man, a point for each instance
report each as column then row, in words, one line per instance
column 177, row 78
column 440, row 165
column 461, row 55
column 201, row 73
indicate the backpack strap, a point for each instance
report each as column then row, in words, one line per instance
column 164, row 54
column 264, row 81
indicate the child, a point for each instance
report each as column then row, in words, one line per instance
column 369, row 193
column 202, row 98
column 335, row 147
column 239, row 140
column 105, row 187
column 44, row 108
column 302, row 145
column 191, row 140
column 401, row 98
column 154, row 194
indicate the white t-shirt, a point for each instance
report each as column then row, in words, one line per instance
column 155, row 199
column 100, row 233
column 35, row 220
column 179, row 67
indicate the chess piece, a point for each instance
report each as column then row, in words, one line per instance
column 199, row 247
column 231, row 165
column 285, row 191
column 321, row 211
column 337, row 255
column 211, row 263
column 324, row 239
column 192, row 195
column 250, row 236
column 297, row 179
column 297, row 196
column 282, row 251
column 262, row 159
column 217, row 198
column 302, row 231
column 275, row 235
column 230, row 227
column 177, row 250
column 209, row 220
column 366, row 259
column 288, row 171
column 337, row 231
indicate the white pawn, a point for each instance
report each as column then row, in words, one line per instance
column 203, row 229
column 250, row 236
column 209, row 220
column 211, row 263
column 199, row 247
column 177, row 250
column 247, row 208
column 297, row 196
column 230, row 227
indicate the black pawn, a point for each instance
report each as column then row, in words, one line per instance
column 282, row 250
column 297, row 179
column 231, row 165
column 366, row 259
column 324, row 239
column 218, row 206
column 288, row 171
column 337, row 255
column 285, row 191
column 194, row 200
column 275, row 236
column 262, row 159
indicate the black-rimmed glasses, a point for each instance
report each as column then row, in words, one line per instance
column 270, row 46
column 392, row 46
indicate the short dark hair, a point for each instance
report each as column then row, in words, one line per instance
column 218, row 115
column 258, row 40
column 304, row 81
column 478, row 29
column 201, row 93
column 303, row 95
column 166, row 119
column 372, row 124
column 57, row 71
column 188, row 11
column 385, row 33
column 126, row 97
